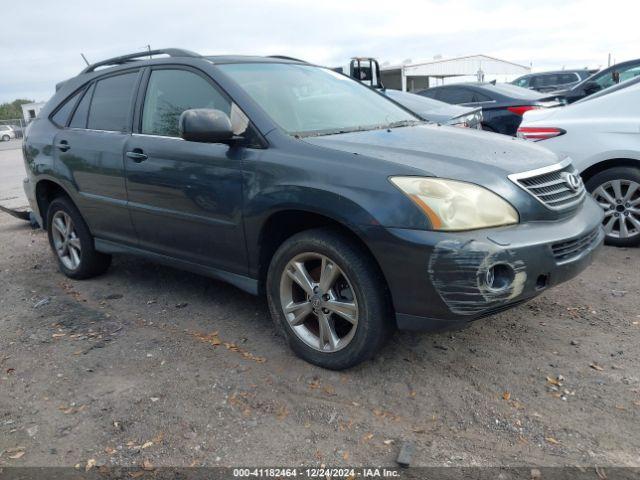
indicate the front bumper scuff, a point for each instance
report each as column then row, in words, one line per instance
column 438, row 279
column 458, row 269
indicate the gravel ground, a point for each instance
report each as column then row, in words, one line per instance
column 150, row 364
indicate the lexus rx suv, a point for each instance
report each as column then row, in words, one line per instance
column 352, row 215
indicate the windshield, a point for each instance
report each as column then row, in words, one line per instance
column 309, row 100
column 612, row 76
column 607, row 91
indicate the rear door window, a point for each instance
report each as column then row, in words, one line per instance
column 61, row 117
column 111, row 104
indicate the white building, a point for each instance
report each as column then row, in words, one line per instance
column 418, row 76
column 31, row 110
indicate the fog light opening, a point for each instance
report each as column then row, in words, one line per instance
column 499, row 277
column 542, row 281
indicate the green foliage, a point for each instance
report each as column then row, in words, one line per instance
column 9, row 111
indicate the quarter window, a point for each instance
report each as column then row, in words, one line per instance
column 111, row 104
column 61, row 117
column 171, row 92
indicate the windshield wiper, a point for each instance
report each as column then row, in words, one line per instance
column 363, row 128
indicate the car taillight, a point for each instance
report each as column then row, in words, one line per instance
column 539, row 133
column 520, row 110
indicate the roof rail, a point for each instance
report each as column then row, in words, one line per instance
column 284, row 57
column 172, row 52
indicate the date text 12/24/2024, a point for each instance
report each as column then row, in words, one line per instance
column 319, row 472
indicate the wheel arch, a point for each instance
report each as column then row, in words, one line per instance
column 46, row 191
column 283, row 224
column 603, row 165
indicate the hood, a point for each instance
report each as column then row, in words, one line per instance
column 450, row 152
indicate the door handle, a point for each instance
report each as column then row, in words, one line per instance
column 137, row 155
column 63, row 145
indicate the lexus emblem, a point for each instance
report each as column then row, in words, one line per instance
column 573, row 181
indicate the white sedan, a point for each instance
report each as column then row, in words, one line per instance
column 601, row 134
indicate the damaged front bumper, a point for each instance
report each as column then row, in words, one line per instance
column 442, row 280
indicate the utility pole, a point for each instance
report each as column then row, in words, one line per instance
column 609, row 60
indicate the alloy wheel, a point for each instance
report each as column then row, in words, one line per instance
column 65, row 240
column 319, row 302
column 620, row 200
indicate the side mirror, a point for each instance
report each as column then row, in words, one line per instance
column 205, row 125
column 591, row 87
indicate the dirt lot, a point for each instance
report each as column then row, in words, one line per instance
column 147, row 363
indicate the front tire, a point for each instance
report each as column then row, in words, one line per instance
column 72, row 243
column 6, row 138
column 328, row 298
column 617, row 191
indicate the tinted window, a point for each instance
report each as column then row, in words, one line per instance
column 431, row 93
column 481, row 97
column 171, row 92
column 79, row 119
column 61, row 117
column 522, row 82
column 111, row 103
column 456, row 95
column 568, row 78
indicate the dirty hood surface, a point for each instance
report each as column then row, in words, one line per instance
column 442, row 151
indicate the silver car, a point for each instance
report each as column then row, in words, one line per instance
column 6, row 133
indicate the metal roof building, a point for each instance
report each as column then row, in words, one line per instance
column 418, row 76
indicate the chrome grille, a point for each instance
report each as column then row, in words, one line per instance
column 550, row 186
column 569, row 249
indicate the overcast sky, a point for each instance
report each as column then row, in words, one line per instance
column 41, row 40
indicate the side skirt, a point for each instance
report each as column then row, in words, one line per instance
column 249, row 285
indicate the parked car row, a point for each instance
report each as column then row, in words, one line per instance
column 502, row 104
column 552, row 81
column 601, row 80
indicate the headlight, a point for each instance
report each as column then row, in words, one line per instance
column 469, row 120
column 454, row 205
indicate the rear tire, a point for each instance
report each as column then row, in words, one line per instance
column 344, row 316
column 6, row 138
column 617, row 191
column 72, row 243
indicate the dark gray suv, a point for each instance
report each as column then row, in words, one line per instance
column 348, row 212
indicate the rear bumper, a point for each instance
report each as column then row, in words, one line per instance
column 30, row 192
column 439, row 280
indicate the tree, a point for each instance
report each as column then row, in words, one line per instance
column 10, row 111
